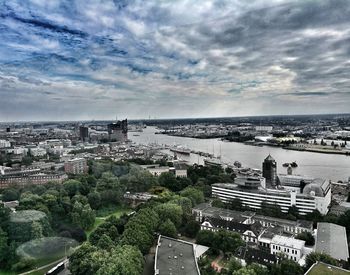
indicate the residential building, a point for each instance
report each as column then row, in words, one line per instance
column 269, row 169
column 76, row 166
column 4, row 143
column 35, row 179
column 288, row 247
column 332, row 240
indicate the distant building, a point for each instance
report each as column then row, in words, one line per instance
column 4, row 143
column 322, row 268
column 84, row 133
column 118, row 131
column 76, row 166
column 263, row 128
column 269, row 168
column 331, row 239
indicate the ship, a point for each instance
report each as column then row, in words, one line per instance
column 213, row 162
column 180, row 150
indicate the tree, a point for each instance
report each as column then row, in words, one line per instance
column 168, row 229
column 87, row 260
column 314, row 257
column 105, row 242
column 307, row 237
column 124, row 259
column 83, row 215
column 286, row 267
column 234, row 265
column 195, row 195
column 227, row 241
column 71, row 187
column 235, row 204
column 245, row 271
column 205, row 237
column 259, row 269
column 36, row 230
column 10, row 194
column 3, row 248
column 137, row 235
column 94, row 199
column 169, row 210
column 169, row 181
column 191, row 228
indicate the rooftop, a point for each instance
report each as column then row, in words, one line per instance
column 287, row 241
column 331, row 239
column 175, row 257
column 326, row 269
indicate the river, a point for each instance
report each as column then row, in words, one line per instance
column 328, row 166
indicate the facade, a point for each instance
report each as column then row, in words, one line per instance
column 84, row 133
column 288, row 247
column 4, row 143
column 269, row 169
column 36, row 179
column 315, row 196
column 118, row 131
column 76, row 166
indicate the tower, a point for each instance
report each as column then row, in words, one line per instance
column 270, row 170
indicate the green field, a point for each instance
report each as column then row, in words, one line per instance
column 323, row 269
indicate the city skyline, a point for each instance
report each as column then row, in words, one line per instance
column 83, row 60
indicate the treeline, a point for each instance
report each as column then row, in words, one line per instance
column 117, row 246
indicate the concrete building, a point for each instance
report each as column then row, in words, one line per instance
column 4, row 143
column 76, row 166
column 263, row 128
column 269, row 169
column 332, row 240
column 288, row 247
column 118, row 131
column 84, row 133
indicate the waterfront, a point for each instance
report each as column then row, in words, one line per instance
column 334, row 167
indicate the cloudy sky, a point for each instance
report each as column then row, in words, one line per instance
column 90, row 59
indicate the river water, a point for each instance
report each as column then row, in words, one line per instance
column 328, row 166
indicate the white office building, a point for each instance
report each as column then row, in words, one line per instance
column 288, row 247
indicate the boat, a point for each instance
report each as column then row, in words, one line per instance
column 136, row 135
column 237, row 164
column 285, row 164
column 180, row 150
column 212, row 162
column 294, row 164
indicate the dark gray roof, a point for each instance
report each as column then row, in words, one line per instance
column 175, row 257
column 331, row 239
column 270, row 158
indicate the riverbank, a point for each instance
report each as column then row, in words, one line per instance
column 319, row 150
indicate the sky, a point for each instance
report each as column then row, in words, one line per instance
column 90, row 59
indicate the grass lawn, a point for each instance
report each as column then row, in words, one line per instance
column 323, row 269
column 106, row 212
column 3, row 272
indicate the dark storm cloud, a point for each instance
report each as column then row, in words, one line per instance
column 223, row 57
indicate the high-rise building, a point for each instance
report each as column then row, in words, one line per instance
column 269, row 168
column 84, row 133
column 118, row 131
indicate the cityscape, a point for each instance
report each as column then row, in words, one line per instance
column 174, row 137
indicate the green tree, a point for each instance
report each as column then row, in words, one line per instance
column 227, row 241
column 71, row 187
column 105, row 242
column 287, row 267
column 137, row 235
column 87, row 260
column 307, row 237
column 94, row 199
column 10, row 194
column 83, row 215
column 123, row 260
column 171, row 211
column 3, row 248
column 234, row 265
column 195, row 195
column 245, row 271
column 205, row 237
column 169, row 181
column 191, row 228
column 36, row 230
column 259, row 269
column 235, row 204
column 167, row 228
column 314, row 257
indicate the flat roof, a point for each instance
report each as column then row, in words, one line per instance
column 326, row 269
column 175, row 257
column 288, row 242
column 331, row 239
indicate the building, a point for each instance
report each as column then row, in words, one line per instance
column 179, row 169
column 331, row 239
column 76, row 166
column 35, row 179
column 176, row 257
column 263, row 128
column 269, row 169
column 84, row 133
column 322, row 268
column 118, row 131
column 288, row 247
column 4, row 143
